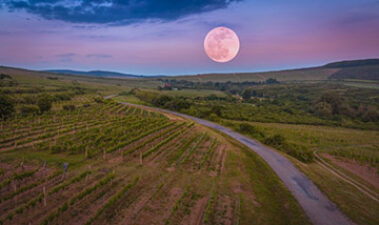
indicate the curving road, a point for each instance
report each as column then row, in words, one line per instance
column 316, row 205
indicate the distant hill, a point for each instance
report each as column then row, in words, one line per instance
column 367, row 69
column 353, row 63
column 97, row 73
column 356, row 69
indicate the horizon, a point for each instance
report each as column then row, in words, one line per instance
column 161, row 38
column 173, row 75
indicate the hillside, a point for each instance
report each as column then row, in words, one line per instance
column 353, row 63
column 354, row 69
column 311, row 74
column 97, row 73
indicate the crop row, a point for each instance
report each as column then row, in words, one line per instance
column 125, row 143
column 178, row 204
column 185, row 158
column 160, row 134
column 29, row 186
column 208, row 153
column 17, row 177
column 72, row 201
column 160, row 144
column 39, row 198
column 113, row 200
column 178, row 152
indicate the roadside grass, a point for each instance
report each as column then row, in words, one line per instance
column 271, row 202
column 361, row 145
column 360, row 208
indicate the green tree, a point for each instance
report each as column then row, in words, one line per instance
column 44, row 102
column 246, row 94
column 323, row 109
column 6, row 107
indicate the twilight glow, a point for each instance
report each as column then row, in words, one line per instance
column 161, row 37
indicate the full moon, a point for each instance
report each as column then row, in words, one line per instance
column 221, row 44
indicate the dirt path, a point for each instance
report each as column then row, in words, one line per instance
column 361, row 187
column 317, row 206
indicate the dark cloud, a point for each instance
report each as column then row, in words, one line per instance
column 115, row 11
column 66, row 55
column 102, row 56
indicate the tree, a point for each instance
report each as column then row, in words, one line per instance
column 44, row 102
column 6, row 107
column 161, row 100
column 246, row 94
column 323, row 109
column 272, row 81
column 334, row 100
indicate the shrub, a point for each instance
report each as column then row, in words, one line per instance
column 44, row 102
column 276, row 140
column 6, row 106
column 62, row 97
column 29, row 109
column 299, row 152
column 246, row 128
column 69, row 107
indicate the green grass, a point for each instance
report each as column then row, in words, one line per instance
column 271, row 202
column 361, row 145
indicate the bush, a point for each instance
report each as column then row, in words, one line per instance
column 62, row 97
column 246, row 128
column 29, row 99
column 98, row 99
column 69, row 107
column 44, row 102
column 6, row 106
column 276, row 140
column 299, row 152
column 29, row 109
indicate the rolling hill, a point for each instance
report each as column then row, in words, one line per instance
column 355, row 69
column 97, row 73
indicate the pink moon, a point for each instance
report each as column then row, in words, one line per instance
column 221, row 44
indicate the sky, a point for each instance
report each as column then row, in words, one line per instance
column 165, row 37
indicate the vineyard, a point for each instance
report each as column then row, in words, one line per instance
column 103, row 162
